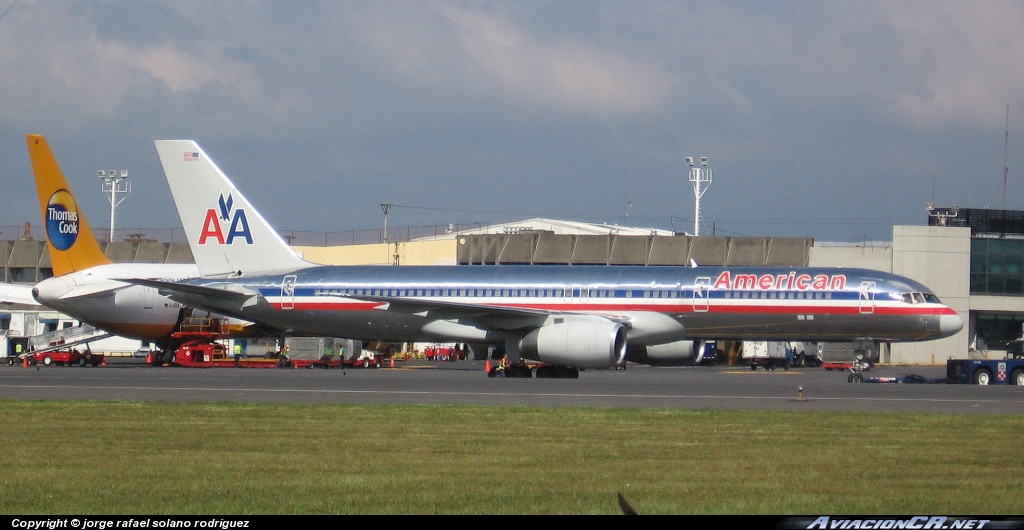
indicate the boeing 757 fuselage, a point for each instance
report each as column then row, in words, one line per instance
column 577, row 316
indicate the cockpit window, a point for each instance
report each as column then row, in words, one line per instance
column 920, row 298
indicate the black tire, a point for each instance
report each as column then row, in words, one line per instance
column 47, row 360
column 753, row 367
column 856, row 378
column 82, row 362
column 1017, row 377
column 982, row 376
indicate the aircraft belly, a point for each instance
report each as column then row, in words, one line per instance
column 119, row 311
column 839, row 327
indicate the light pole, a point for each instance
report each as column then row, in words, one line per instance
column 698, row 176
column 114, row 182
column 386, row 208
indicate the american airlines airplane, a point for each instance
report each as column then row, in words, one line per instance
column 572, row 316
column 87, row 285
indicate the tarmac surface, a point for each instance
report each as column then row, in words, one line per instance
column 466, row 383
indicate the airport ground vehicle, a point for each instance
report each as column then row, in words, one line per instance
column 858, row 365
column 367, row 360
column 201, row 349
column 328, row 352
column 985, row 371
column 527, row 370
column 69, row 357
column 857, row 377
column 767, row 354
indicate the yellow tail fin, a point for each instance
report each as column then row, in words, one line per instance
column 69, row 240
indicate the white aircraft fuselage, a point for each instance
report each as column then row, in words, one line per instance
column 603, row 307
column 577, row 316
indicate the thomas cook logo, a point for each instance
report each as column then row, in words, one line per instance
column 62, row 220
column 225, row 214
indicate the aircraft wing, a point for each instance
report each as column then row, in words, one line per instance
column 230, row 295
column 503, row 317
column 11, row 293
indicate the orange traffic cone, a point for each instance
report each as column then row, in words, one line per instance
column 149, row 358
column 487, row 366
column 24, row 361
column 392, row 362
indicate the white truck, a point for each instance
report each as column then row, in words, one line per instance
column 768, row 354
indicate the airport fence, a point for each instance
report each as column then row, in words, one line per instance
column 292, row 237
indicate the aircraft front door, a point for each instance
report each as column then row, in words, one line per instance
column 701, row 288
column 867, row 298
column 288, row 292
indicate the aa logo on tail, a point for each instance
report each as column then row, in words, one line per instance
column 62, row 220
column 213, row 225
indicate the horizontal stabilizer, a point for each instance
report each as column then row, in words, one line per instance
column 16, row 294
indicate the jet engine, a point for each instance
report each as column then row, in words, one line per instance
column 679, row 353
column 576, row 344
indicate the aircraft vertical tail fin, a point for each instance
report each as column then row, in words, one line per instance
column 69, row 239
column 228, row 237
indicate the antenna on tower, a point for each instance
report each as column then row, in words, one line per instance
column 1006, row 144
column 699, row 176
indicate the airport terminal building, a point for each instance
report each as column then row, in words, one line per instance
column 972, row 259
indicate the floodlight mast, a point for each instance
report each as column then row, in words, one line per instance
column 114, row 182
column 700, row 177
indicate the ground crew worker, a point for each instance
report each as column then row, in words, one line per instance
column 238, row 353
column 502, row 365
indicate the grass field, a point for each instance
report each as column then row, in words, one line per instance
column 229, row 458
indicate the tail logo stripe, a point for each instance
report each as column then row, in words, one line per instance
column 62, row 220
column 212, row 224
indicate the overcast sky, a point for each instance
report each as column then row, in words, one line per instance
column 832, row 120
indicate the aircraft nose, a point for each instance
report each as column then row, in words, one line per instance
column 950, row 324
column 50, row 290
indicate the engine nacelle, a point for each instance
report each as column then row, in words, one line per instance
column 679, row 353
column 576, row 344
